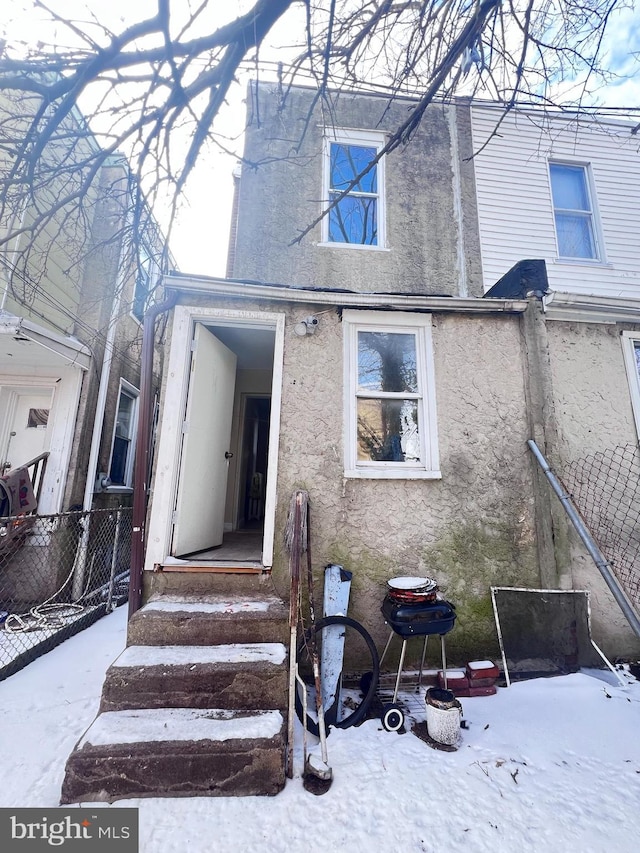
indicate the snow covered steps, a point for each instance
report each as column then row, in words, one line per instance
column 194, row 706
column 210, row 619
column 177, row 752
column 243, row 676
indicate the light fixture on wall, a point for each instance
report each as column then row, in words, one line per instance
column 307, row 326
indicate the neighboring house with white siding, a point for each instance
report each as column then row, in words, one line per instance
column 562, row 188
column 565, row 188
column 70, row 317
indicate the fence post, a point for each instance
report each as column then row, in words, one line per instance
column 114, row 560
column 81, row 558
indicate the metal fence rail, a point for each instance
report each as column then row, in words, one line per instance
column 58, row 574
column 606, row 489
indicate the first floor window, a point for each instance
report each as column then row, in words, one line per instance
column 631, row 350
column 390, row 428
column 573, row 211
column 123, row 446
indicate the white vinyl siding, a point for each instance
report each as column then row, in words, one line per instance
column 515, row 206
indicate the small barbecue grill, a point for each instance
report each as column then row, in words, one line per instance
column 412, row 607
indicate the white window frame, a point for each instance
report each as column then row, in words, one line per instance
column 419, row 325
column 592, row 214
column 364, row 138
column 629, row 340
column 131, row 391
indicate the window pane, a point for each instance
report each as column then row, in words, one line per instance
column 569, row 187
column 124, row 418
column 37, row 418
column 387, row 362
column 354, row 220
column 636, row 349
column 575, row 236
column 118, row 468
column 347, row 161
column 388, row 431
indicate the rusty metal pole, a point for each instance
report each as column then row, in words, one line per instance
column 143, row 440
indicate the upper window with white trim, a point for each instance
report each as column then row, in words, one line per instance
column 631, row 350
column 573, row 210
column 390, row 423
column 124, row 435
column 358, row 218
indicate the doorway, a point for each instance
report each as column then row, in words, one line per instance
column 26, row 425
column 222, row 490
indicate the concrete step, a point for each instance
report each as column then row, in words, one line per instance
column 177, row 752
column 209, row 620
column 244, row 676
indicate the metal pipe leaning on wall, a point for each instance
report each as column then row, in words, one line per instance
column 141, row 465
column 583, row 532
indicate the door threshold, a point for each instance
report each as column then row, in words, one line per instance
column 173, row 564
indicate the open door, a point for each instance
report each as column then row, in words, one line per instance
column 199, row 518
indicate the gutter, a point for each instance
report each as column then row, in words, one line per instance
column 579, row 307
column 344, row 298
column 76, row 353
column 143, row 441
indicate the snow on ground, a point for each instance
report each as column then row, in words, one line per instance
column 546, row 765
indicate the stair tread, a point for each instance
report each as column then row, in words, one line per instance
column 174, row 655
column 221, row 605
column 163, row 725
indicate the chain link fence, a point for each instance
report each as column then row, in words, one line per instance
column 58, row 574
column 606, row 489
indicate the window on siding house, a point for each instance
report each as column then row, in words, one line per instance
column 631, row 350
column 573, row 211
column 390, row 429
column 357, row 219
column 124, row 434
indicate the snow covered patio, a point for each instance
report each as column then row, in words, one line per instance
column 546, row 765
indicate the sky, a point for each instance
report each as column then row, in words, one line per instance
column 200, row 238
column 544, row 766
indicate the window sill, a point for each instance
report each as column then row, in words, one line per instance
column 359, row 246
column 392, row 474
column 583, row 262
column 118, row 490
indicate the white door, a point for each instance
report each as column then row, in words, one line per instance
column 28, row 431
column 202, row 485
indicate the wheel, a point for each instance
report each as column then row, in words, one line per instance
column 392, row 718
column 350, row 705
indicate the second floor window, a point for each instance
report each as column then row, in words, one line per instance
column 358, row 217
column 124, row 433
column 573, row 211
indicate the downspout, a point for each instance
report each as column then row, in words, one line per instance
column 143, row 441
column 98, row 423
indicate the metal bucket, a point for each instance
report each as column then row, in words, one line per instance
column 443, row 716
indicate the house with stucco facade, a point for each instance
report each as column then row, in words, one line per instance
column 393, row 329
